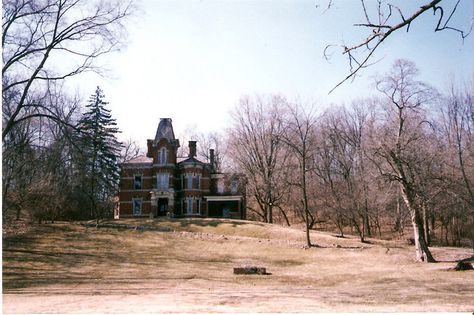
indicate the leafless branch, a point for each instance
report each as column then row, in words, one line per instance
column 383, row 29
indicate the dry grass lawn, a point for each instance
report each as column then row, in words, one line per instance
column 68, row 268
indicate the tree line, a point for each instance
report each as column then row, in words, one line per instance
column 399, row 163
column 59, row 157
column 53, row 172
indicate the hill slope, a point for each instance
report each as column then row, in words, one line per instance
column 69, row 268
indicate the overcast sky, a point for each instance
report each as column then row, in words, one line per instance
column 192, row 60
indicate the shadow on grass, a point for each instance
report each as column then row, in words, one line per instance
column 212, row 222
column 69, row 255
column 182, row 223
column 41, row 282
column 51, row 254
column 463, row 260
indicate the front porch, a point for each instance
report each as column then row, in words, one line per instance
column 224, row 207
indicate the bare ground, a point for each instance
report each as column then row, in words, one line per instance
column 67, row 268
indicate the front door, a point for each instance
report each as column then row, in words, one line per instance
column 162, row 206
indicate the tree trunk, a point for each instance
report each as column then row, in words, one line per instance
column 456, row 232
column 284, row 216
column 446, row 240
column 367, row 223
column 269, row 214
column 308, row 239
column 400, row 224
column 426, row 228
column 341, row 232
column 472, row 225
column 305, row 198
column 366, row 213
column 422, row 252
column 360, row 230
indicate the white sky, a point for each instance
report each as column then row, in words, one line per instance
column 192, row 60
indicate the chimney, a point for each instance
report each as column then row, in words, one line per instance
column 211, row 157
column 149, row 144
column 192, row 149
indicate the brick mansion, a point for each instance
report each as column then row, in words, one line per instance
column 161, row 183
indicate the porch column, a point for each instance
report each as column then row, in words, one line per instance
column 171, row 209
column 153, row 204
column 240, row 208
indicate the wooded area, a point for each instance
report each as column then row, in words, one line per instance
column 60, row 154
column 399, row 161
column 384, row 166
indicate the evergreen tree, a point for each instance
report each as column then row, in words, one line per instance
column 99, row 171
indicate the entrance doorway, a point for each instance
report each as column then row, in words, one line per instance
column 162, row 207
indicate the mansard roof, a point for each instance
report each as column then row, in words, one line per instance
column 139, row 160
column 165, row 130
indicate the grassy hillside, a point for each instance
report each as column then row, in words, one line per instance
column 70, row 268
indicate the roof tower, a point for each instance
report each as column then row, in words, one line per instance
column 165, row 130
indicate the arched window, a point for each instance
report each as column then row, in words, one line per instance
column 163, row 156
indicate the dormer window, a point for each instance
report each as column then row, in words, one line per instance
column 163, row 156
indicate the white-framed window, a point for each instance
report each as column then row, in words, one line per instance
column 198, row 206
column 137, row 206
column 233, row 186
column 163, row 156
column 162, row 181
column 198, row 182
column 189, row 205
column 189, row 181
column 137, row 182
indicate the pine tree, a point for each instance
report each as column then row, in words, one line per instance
column 100, row 148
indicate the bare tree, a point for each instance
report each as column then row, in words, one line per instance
column 458, row 132
column 46, row 41
column 18, row 168
column 342, row 166
column 215, row 141
column 38, row 148
column 299, row 136
column 44, row 199
column 400, row 139
column 130, row 149
column 256, row 148
column 384, row 18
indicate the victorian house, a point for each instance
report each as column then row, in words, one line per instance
column 161, row 183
